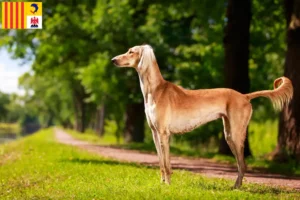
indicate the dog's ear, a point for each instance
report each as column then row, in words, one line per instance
column 147, row 57
column 141, row 57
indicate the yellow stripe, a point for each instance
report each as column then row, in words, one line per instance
column 8, row 15
column 3, row 14
column 25, row 15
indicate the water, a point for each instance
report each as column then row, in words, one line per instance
column 6, row 139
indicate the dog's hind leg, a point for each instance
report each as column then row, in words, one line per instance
column 235, row 126
column 159, row 153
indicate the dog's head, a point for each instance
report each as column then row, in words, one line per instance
column 139, row 57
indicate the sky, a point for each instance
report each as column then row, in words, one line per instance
column 10, row 71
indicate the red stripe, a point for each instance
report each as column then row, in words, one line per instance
column 11, row 15
column 5, row 11
column 22, row 14
column 17, row 15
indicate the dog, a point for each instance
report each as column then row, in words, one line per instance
column 171, row 109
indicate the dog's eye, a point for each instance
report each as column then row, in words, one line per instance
column 130, row 52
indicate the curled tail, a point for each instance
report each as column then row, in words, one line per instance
column 282, row 93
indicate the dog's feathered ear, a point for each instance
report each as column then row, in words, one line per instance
column 141, row 57
column 147, row 57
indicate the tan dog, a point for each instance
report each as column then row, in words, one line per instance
column 171, row 109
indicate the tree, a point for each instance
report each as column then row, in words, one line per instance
column 108, row 85
column 57, row 51
column 289, row 125
column 134, row 122
column 4, row 101
column 188, row 48
column 267, row 51
column 72, row 56
column 236, row 44
column 47, row 98
column 15, row 108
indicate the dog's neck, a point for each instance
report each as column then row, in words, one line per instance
column 150, row 79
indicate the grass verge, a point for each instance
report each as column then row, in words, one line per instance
column 37, row 167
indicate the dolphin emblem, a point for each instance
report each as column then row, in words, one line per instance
column 35, row 6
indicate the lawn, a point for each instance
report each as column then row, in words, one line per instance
column 38, row 167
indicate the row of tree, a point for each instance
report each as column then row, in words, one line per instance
column 72, row 82
column 236, row 45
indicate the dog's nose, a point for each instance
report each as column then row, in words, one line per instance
column 113, row 60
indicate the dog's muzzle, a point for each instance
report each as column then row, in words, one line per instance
column 114, row 60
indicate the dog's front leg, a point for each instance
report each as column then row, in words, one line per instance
column 165, row 156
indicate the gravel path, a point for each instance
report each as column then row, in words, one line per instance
column 203, row 166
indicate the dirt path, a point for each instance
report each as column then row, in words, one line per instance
column 203, row 166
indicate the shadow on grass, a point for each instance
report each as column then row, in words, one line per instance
column 251, row 188
column 105, row 162
column 258, row 189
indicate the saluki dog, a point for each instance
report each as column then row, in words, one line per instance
column 171, row 109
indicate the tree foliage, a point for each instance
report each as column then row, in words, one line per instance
column 72, row 77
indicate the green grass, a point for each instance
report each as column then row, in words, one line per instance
column 37, row 167
column 263, row 137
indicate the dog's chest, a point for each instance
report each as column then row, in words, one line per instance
column 150, row 110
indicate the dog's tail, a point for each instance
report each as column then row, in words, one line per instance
column 282, row 93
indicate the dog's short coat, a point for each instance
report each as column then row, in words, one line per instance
column 171, row 109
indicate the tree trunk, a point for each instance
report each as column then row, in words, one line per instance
column 134, row 124
column 77, row 124
column 236, row 44
column 80, row 110
column 288, row 145
column 99, row 123
column 79, row 116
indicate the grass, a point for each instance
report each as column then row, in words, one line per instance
column 37, row 167
column 263, row 137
